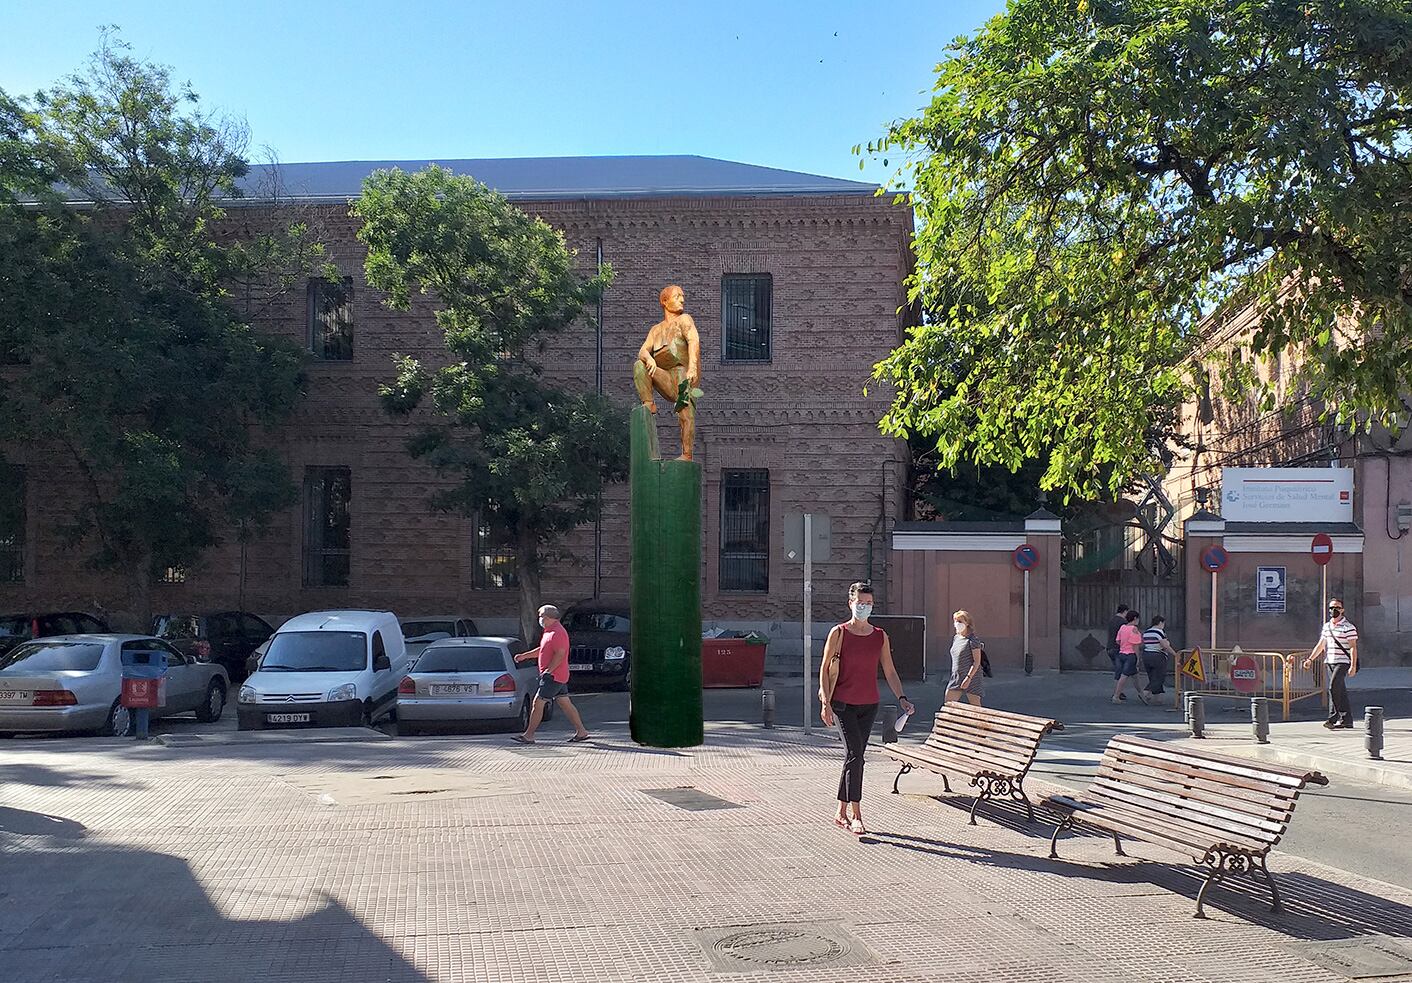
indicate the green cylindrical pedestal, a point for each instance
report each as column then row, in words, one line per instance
column 666, row 593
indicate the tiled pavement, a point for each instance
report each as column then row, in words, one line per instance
column 465, row 859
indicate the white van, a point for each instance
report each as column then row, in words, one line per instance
column 326, row 669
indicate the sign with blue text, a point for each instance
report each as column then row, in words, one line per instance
column 1269, row 590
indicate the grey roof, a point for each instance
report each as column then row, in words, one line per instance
column 996, row 525
column 551, row 178
column 1295, row 528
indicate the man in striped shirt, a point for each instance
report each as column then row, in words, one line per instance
column 1338, row 645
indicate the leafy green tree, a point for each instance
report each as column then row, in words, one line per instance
column 1094, row 178
column 531, row 457
column 135, row 369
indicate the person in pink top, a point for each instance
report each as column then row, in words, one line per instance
column 1125, row 668
column 553, row 655
column 848, row 694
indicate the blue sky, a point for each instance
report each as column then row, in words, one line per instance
column 786, row 84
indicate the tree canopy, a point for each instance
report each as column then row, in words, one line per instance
column 530, row 457
column 1094, row 179
column 128, row 363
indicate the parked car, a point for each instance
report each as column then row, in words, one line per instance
column 227, row 638
column 327, row 669
column 73, row 682
column 600, row 645
column 464, row 680
column 17, row 628
column 421, row 632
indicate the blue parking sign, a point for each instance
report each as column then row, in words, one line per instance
column 1269, row 590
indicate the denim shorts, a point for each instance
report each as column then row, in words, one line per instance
column 1125, row 665
column 549, row 690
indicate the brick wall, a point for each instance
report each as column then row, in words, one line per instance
column 837, row 264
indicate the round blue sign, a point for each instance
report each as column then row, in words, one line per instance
column 1026, row 557
column 1214, row 559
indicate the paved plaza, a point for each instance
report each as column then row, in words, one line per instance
column 466, row 858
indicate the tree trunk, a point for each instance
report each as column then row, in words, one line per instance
column 142, row 593
column 527, row 572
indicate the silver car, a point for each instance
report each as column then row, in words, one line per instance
column 466, row 680
column 73, row 682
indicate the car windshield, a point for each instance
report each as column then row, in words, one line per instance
column 15, row 627
column 176, row 626
column 316, row 651
column 462, row 658
column 416, row 629
column 52, row 657
column 596, row 621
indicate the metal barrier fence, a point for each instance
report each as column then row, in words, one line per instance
column 1279, row 676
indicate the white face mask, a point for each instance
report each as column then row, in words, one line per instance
column 862, row 610
column 960, row 627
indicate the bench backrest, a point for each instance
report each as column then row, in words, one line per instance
column 1198, row 795
column 997, row 740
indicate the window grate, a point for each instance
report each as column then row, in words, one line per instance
column 174, row 575
column 746, row 300
column 745, row 531
column 331, row 319
column 328, row 527
column 12, row 524
column 494, row 558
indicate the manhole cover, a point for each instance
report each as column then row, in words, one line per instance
column 1363, row 959
column 781, row 947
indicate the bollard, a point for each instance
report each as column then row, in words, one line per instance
column 767, row 707
column 1029, row 663
column 1373, row 732
column 1260, row 719
column 1196, row 715
column 889, row 725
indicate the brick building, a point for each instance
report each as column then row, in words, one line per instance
column 795, row 282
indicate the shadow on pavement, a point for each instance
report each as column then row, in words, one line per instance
column 89, row 913
column 1315, row 909
column 44, row 776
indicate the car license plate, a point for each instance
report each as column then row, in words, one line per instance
column 455, row 689
column 286, row 718
column 16, row 696
column 580, row 666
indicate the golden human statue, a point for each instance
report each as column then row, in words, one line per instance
column 670, row 362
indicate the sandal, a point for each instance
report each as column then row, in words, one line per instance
column 840, row 822
column 522, row 739
column 857, row 828
column 577, row 739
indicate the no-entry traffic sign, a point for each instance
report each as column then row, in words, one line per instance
column 1214, row 558
column 1026, row 557
column 1322, row 549
column 1245, row 674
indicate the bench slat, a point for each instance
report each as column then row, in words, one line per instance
column 1252, row 781
column 1000, row 759
column 1021, row 720
column 952, row 764
column 1138, row 828
column 1266, row 809
column 1252, row 794
column 957, row 760
column 1288, row 777
column 1166, row 804
column 983, row 733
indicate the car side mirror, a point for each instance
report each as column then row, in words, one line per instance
column 381, row 663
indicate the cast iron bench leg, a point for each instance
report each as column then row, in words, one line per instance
column 1264, row 871
column 1066, row 823
column 905, row 770
column 1118, row 846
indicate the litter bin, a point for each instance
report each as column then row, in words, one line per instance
column 732, row 662
column 144, row 686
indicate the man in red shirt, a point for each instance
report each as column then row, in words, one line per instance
column 553, row 656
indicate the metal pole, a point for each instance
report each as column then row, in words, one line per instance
column 1214, row 575
column 1323, row 591
column 808, row 618
column 1196, row 715
column 1373, row 732
column 1260, row 719
column 1026, row 653
column 767, row 707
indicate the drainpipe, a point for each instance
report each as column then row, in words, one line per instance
column 598, row 385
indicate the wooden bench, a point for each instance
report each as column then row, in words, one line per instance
column 993, row 748
column 1226, row 813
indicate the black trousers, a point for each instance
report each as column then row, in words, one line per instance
column 1156, row 667
column 855, row 723
column 1340, row 713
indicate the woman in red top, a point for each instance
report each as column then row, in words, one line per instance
column 848, row 694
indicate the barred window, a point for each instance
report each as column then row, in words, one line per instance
column 494, row 558
column 331, row 319
column 745, row 530
column 328, row 526
column 174, row 575
column 745, row 317
column 12, row 524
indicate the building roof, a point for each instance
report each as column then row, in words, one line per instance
column 997, row 526
column 560, row 178
column 1294, row 528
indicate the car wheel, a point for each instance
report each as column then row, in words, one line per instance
column 214, row 705
column 119, row 723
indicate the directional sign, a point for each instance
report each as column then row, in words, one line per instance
column 1214, row 558
column 1026, row 557
column 1322, row 549
column 1192, row 666
column 1245, row 674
